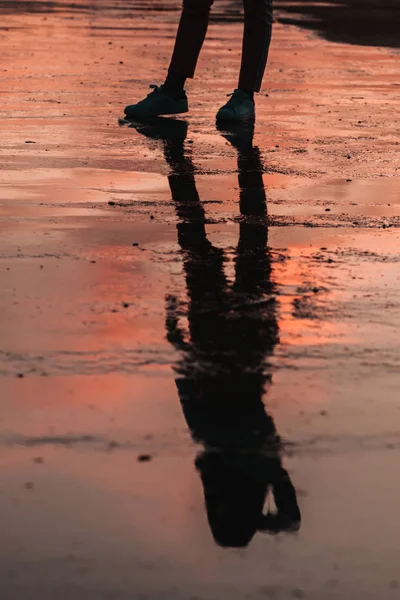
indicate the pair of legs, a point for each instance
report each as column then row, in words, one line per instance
column 170, row 98
column 232, row 329
column 256, row 41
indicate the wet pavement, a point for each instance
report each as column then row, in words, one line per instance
column 200, row 357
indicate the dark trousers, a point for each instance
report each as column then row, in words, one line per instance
column 256, row 40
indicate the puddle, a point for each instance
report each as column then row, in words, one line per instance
column 186, row 329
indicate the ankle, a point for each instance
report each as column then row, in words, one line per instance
column 174, row 85
column 250, row 93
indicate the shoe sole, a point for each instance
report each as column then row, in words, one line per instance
column 131, row 115
column 232, row 119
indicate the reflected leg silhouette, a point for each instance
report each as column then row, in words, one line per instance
column 233, row 329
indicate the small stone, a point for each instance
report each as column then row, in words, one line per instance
column 111, row 203
column 151, row 217
column 125, row 304
column 327, row 210
column 135, row 244
column 144, row 457
column 30, row 142
column 29, row 485
column 20, row 375
column 323, row 413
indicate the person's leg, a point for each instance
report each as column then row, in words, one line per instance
column 189, row 40
column 170, row 98
column 256, row 42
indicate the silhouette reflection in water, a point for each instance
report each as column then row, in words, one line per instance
column 233, row 329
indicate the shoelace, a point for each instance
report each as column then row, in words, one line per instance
column 233, row 93
column 155, row 88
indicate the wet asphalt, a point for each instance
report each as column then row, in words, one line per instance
column 200, row 357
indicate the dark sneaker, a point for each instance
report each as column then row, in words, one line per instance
column 240, row 107
column 157, row 103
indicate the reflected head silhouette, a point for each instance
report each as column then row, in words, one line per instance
column 235, row 489
column 232, row 331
